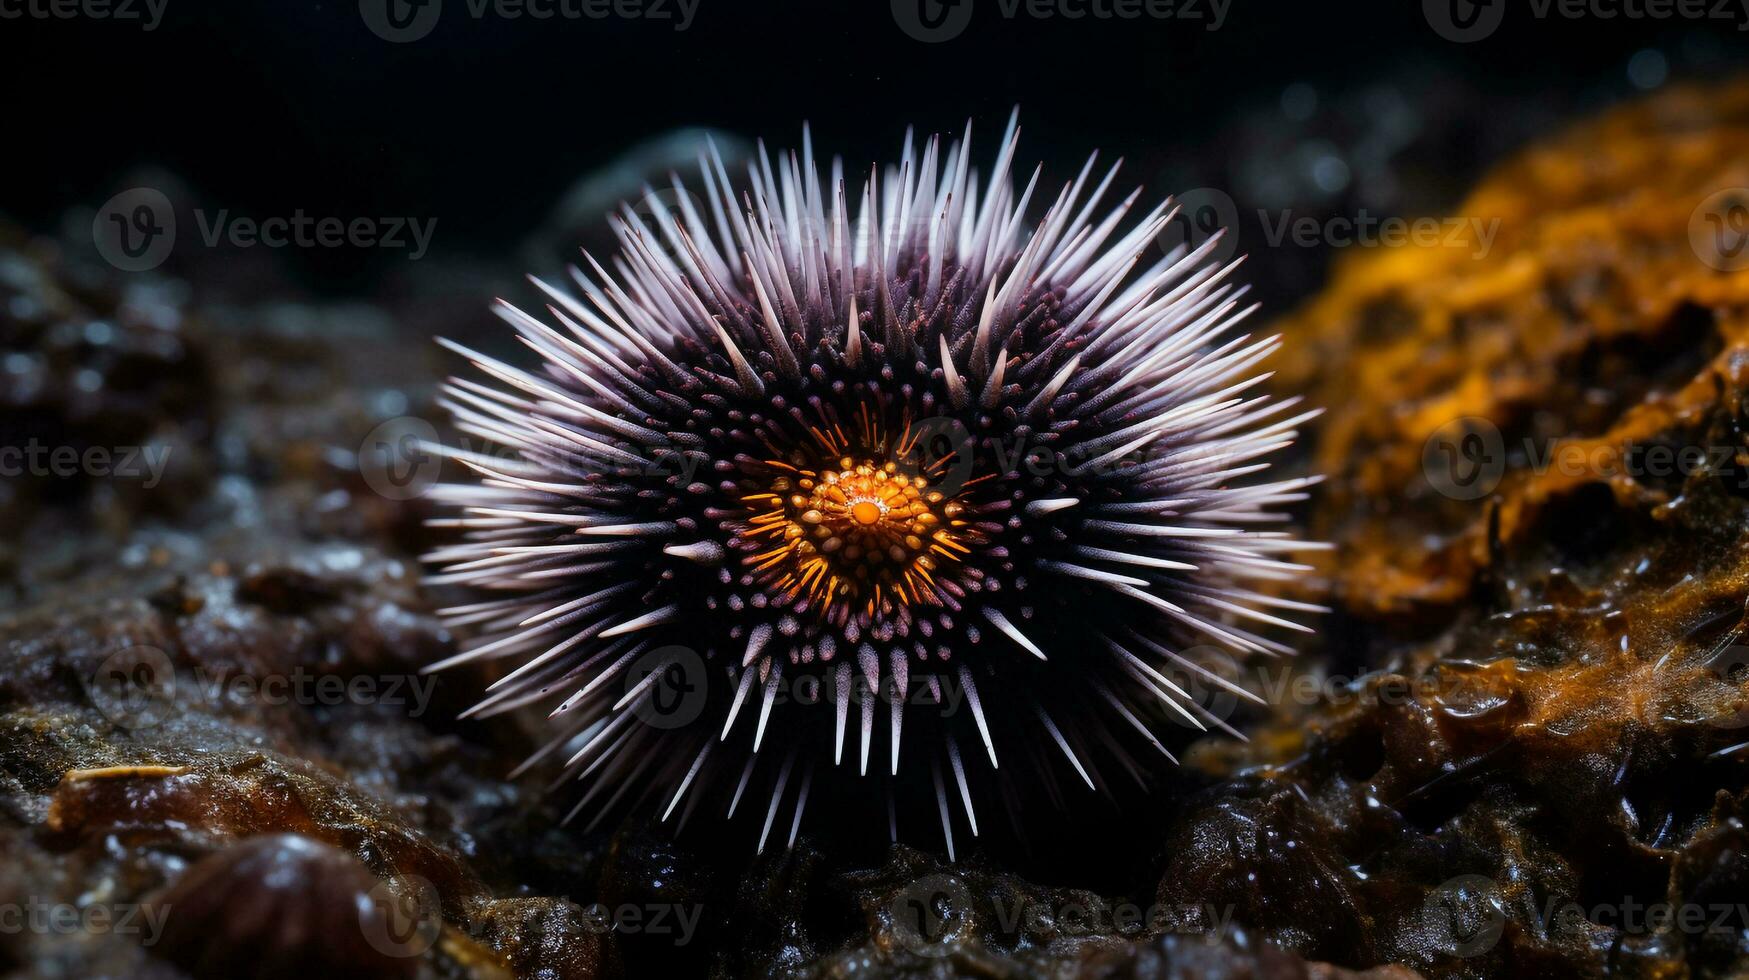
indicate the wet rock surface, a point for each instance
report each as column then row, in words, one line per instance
column 1518, row 746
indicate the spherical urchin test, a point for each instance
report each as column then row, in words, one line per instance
column 899, row 469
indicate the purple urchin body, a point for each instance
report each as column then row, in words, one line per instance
column 900, row 470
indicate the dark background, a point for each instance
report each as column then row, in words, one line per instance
column 264, row 108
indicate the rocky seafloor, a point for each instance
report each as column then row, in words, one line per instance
column 1519, row 745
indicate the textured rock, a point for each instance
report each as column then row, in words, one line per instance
column 1588, row 325
column 1553, row 733
column 181, row 678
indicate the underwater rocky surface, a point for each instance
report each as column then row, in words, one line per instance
column 1521, row 743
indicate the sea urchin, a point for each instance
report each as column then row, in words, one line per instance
column 804, row 463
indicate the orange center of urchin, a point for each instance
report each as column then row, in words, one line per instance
column 862, row 532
